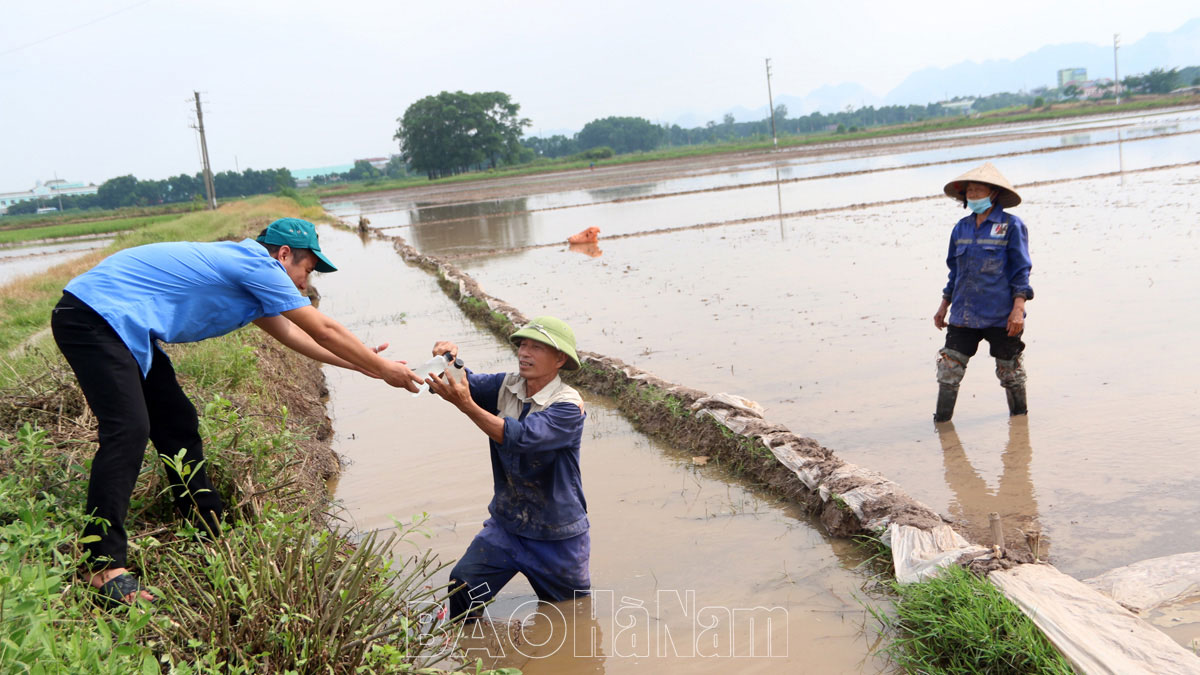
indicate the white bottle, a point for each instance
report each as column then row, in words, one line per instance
column 455, row 370
column 436, row 365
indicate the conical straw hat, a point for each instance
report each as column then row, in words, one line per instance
column 985, row 173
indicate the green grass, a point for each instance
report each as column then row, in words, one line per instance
column 25, row 304
column 77, row 216
column 279, row 592
column 80, row 229
column 958, row 623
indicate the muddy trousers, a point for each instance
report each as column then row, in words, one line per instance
column 961, row 344
column 557, row 570
column 129, row 409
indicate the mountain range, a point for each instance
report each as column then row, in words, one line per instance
column 1176, row 49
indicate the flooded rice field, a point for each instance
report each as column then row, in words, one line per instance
column 674, row 545
column 21, row 261
column 815, row 298
column 474, row 228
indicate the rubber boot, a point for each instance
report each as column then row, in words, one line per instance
column 951, row 367
column 1016, row 400
column 1011, row 374
column 947, row 396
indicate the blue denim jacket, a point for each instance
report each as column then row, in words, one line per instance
column 538, row 488
column 989, row 266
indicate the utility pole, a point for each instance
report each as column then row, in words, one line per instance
column 209, row 190
column 58, row 189
column 1116, row 74
column 771, row 103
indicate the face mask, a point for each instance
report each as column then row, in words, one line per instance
column 979, row 205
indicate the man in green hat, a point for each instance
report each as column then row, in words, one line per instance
column 108, row 325
column 534, row 425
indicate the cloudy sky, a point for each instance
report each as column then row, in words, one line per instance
column 97, row 89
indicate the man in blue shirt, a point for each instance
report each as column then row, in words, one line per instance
column 534, row 425
column 108, row 323
column 987, row 290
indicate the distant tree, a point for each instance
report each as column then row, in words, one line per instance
column 622, row 134
column 362, row 171
column 396, row 168
column 781, row 112
column 182, row 188
column 1159, row 81
column 453, row 132
column 1039, row 102
column 117, row 192
column 1071, row 91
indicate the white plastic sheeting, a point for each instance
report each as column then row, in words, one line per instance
column 1148, row 584
column 919, row 554
column 1095, row 633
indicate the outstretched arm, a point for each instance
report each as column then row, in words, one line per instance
column 290, row 336
column 333, row 338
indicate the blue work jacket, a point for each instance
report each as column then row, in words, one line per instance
column 538, row 489
column 989, row 266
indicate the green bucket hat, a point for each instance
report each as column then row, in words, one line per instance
column 554, row 332
column 296, row 233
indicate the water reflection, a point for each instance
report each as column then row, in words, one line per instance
column 470, row 227
column 591, row 249
column 605, row 194
column 1013, row 498
column 424, row 212
column 563, row 637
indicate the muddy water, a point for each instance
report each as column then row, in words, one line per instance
column 484, row 226
column 669, row 538
column 826, row 321
column 17, row 262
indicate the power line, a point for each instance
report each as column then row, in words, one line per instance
column 69, row 30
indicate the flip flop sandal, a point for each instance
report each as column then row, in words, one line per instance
column 114, row 590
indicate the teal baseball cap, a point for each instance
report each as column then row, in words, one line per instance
column 296, row 233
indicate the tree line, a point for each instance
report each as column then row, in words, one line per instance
column 124, row 191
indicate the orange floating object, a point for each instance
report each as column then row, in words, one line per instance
column 588, row 236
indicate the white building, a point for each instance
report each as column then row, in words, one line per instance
column 46, row 191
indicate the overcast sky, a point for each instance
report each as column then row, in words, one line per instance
column 97, row 89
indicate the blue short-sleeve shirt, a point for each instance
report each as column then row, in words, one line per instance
column 185, row 291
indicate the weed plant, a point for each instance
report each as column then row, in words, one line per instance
column 958, row 623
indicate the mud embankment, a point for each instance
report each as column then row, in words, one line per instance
column 849, row 500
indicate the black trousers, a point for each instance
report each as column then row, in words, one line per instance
column 1001, row 345
column 130, row 409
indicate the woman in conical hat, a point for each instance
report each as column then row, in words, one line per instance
column 987, row 290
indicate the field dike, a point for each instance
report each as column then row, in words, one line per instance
column 1093, row 633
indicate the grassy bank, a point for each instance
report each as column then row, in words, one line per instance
column 990, row 118
column 959, row 624
column 80, row 229
column 16, row 222
column 279, row 592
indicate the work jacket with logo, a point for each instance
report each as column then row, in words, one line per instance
column 989, row 266
column 535, row 470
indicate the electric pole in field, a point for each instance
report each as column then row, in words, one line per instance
column 771, row 103
column 1116, row 74
column 209, row 190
